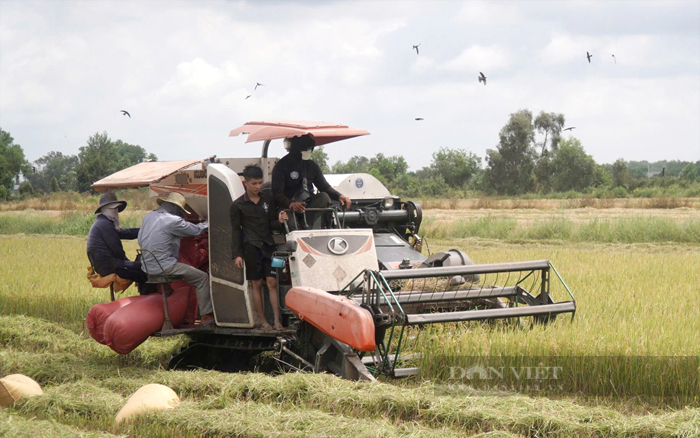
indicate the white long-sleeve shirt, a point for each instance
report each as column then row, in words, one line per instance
column 160, row 235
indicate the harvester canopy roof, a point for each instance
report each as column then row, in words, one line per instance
column 141, row 175
column 321, row 132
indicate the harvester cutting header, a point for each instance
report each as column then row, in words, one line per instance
column 351, row 275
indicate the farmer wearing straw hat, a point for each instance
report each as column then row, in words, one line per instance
column 104, row 242
column 160, row 235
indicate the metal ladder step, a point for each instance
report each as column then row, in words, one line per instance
column 475, row 315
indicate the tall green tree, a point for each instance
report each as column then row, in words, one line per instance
column 356, row 164
column 456, row 166
column 509, row 168
column 572, row 168
column 54, row 165
column 101, row 157
column 320, row 157
column 621, row 176
column 12, row 161
column 689, row 173
column 550, row 124
column 388, row 167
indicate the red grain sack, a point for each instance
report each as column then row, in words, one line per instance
column 129, row 326
column 97, row 316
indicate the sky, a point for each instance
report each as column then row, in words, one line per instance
column 183, row 71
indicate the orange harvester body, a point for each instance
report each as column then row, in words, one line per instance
column 336, row 316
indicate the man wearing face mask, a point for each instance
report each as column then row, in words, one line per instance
column 104, row 245
column 294, row 174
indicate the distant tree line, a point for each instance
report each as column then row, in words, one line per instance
column 531, row 157
column 56, row 172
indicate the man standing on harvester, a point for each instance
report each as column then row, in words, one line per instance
column 159, row 237
column 293, row 176
column 253, row 216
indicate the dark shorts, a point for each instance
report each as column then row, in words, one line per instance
column 258, row 261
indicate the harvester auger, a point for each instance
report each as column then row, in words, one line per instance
column 350, row 291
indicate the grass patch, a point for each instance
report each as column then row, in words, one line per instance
column 615, row 230
column 68, row 223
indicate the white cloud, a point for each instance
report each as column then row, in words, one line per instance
column 67, row 68
column 478, row 58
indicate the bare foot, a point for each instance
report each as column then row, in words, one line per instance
column 279, row 326
column 265, row 326
column 207, row 319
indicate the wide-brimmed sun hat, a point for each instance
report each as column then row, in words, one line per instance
column 108, row 199
column 174, row 198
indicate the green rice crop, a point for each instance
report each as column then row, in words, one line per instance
column 70, row 223
column 617, row 230
column 634, row 299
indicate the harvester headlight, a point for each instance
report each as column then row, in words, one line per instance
column 388, row 203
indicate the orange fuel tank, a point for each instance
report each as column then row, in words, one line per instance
column 336, row 316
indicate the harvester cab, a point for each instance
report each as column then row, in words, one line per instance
column 349, row 291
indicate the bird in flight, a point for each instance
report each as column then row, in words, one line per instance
column 419, row 118
column 589, row 56
column 482, row 78
column 615, row 59
column 416, row 47
column 258, row 84
column 126, row 113
column 571, row 128
column 247, row 96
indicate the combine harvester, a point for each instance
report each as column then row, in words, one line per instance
column 348, row 292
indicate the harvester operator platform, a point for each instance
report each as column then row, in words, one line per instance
column 293, row 176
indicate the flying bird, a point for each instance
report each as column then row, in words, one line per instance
column 589, row 56
column 258, row 84
column 615, row 59
column 482, row 78
column 247, row 96
column 416, row 47
column 419, row 118
column 571, row 128
column 126, row 113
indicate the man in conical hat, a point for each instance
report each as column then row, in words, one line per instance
column 160, row 235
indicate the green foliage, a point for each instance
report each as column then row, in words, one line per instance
column 620, row 174
column 434, row 186
column 102, row 157
column 671, row 168
column 54, row 185
column 3, row 192
column 12, row 161
column 456, row 166
column 320, row 157
column 355, row 164
column 510, row 168
column 550, row 124
column 54, row 165
column 389, row 167
column 407, row 186
column 25, row 188
column 689, row 173
column 572, row 168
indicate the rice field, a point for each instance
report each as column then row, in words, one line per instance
column 636, row 297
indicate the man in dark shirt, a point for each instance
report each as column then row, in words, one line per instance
column 293, row 176
column 253, row 216
column 104, row 246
